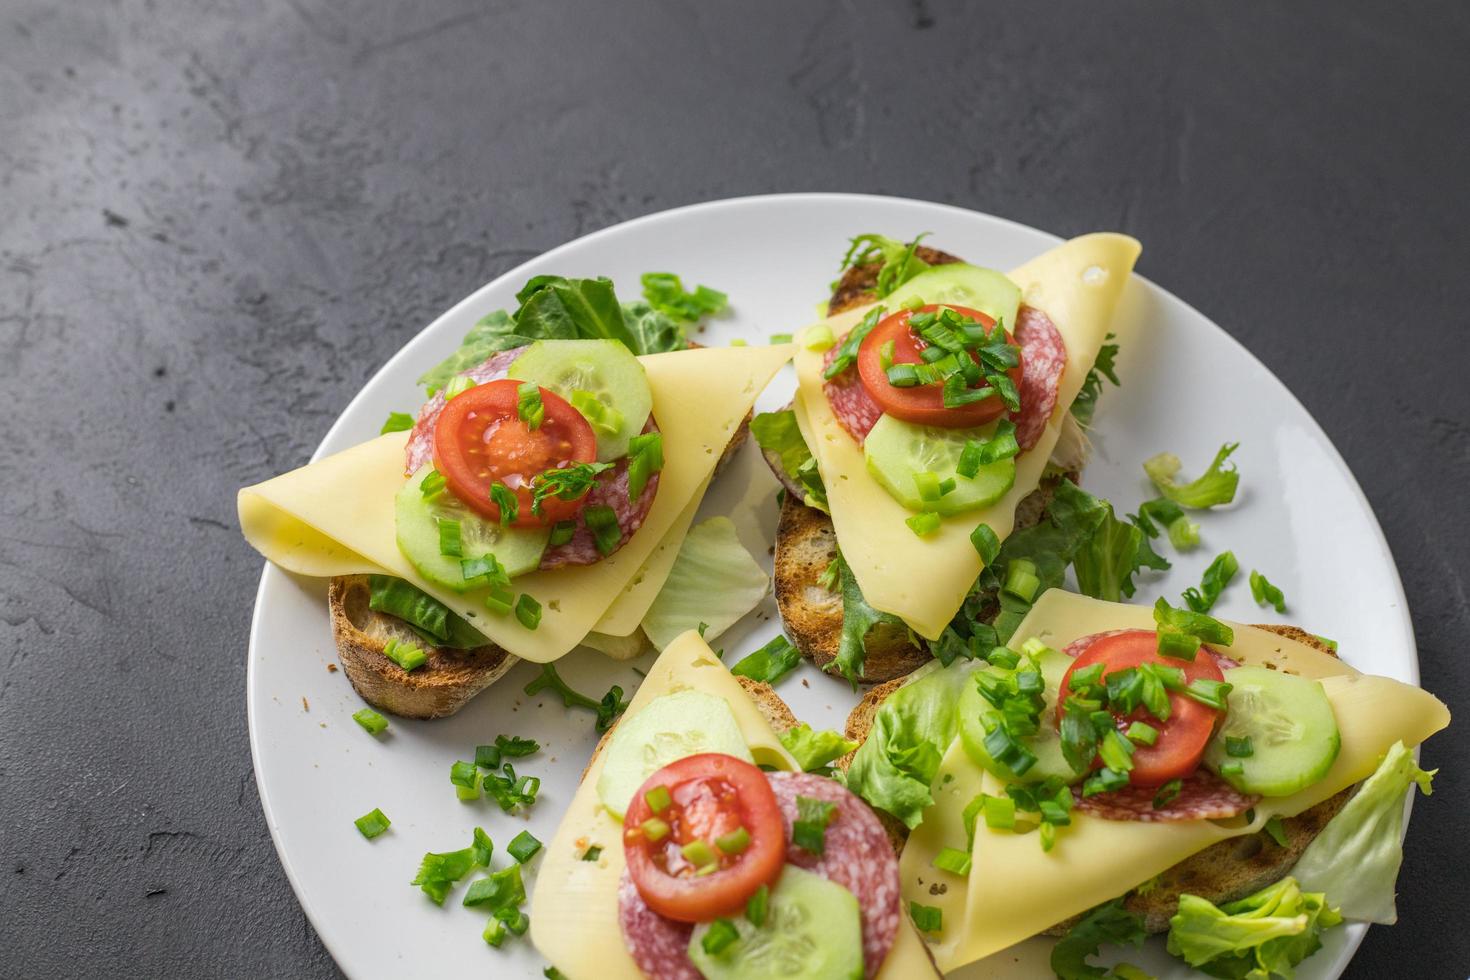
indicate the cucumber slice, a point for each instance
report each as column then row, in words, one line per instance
column 897, row 451
column 813, row 931
column 1046, row 745
column 1292, row 731
column 668, row 729
column 962, row 285
column 417, row 520
column 606, row 370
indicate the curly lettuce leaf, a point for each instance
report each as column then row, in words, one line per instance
column 665, row 293
column 1108, row 924
column 900, row 263
column 894, row 768
column 1262, row 935
column 1356, row 857
column 425, row 615
column 1107, row 561
column 858, row 620
column 1102, row 367
column 1183, row 533
column 714, row 581
column 653, row 332
column 1216, row 486
column 778, row 434
column 813, row 750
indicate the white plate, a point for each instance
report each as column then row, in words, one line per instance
column 1187, row 387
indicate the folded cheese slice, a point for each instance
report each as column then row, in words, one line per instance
column 574, row 908
column 1017, row 890
column 1077, row 285
column 335, row 516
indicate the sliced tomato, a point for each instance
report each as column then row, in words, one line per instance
column 921, row 404
column 480, row 440
column 1186, row 732
column 711, row 795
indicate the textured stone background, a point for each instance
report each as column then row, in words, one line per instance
column 218, row 218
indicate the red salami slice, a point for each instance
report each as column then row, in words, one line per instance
column 611, row 489
column 851, row 404
column 856, row 855
column 658, row 945
column 1043, row 361
column 1203, row 796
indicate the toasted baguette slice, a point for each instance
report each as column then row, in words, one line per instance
column 1222, row 872
column 451, row 677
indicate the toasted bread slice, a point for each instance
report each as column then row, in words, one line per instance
column 1222, row 872
column 451, row 677
column 857, row 285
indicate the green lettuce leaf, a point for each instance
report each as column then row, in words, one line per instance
column 653, row 333
column 900, row 264
column 1216, row 486
column 665, row 292
column 1106, row 562
column 1183, row 533
column 778, row 433
column 1356, row 857
column 1086, row 402
column 425, row 615
column 895, row 767
column 495, row 332
column 1108, row 924
column 1262, row 935
column 815, row 750
column 714, row 581
column 858, row 620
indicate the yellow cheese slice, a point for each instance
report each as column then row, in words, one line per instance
column 335, row 516
column 1024, row 890
column 1077, row 285
column 574, row 909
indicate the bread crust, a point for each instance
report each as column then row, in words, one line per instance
column 1223, row 872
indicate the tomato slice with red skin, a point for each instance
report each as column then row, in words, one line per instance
column 712, row 795
column 921, row 404
column 480, row 440
column 1183, row 737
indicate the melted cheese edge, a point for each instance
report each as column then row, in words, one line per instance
column 1017, row 890
column 1077, row 285
column 574, row 908
column 335, row 516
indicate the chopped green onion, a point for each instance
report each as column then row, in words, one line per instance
column 1329, row 644
column 372, row 823
column 371, row 722
column 809, row 830
column 780, row 338
column 397, row 422
column 758, row 905
column 515, row 920
column 734, row 842
column 432, row 484
column 482, row 847
column 449, row 538
column 1233, row 768
column 970, row 459
column 1048, row 832
column 487, row 756
column 464, row 774
column 903, row 376
column 500, row 889
column 1239, row 747
column 485, row 570
column 1104, row 781
column 528, row 611
column 719, row 936
column 602, row 521
column 561, row 533
column 645, row 458
column 1276, row 831
column 818, row 338
column 494, row 933
column 654, row 829
column 458, row 385
column 505, row 500
column 1003, row 657
column 405, row 655
column 1209, row 693
column 924, row 524
column 847, row 354
column 1220, row 573
column 885, row 355
column 1197, row 624
column 1021, row 580
column 1116, row 751
column 1265, row 593
column 999, row 812
column 1168, row 793
column 592, row 853
column 1086, row 677
column 1180, row 646
column 926, row 918
column 529, row 408
column 986, row 542
column 500, row 600
column 699, row 853
column 1142, row 732
column 523, row 847
column 515, row 747
column 739, row 342
column 658, row 799
column 598, row 413
column 953, row 860
column 926, row 482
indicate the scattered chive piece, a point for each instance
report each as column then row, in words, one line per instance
column 1143, row 733
column 397, row 422
column 464, row 774
column 1239, row 748
column 372, row 823
column 809, row 830
column 432, row 484
column 986, row 542
column 1021, row 580
column 926, row 918
column 482, row 847
column 953, row 860
column 371, row 722
column 1167, row 793
column 1086, row 677
column 494, row 933
column 699, row 853
column 405, row 655
column 602, row 521
column 529, row 407
column 450, row 544
column 1003, row 657
column 1276, row 830
column 523, row 847
column 780, row 338
column 506, row 501
column 758, row 905
column 658, row 799
column 486, row 568
column 655, row 829
column 515, row 920
column 1232, row 768
column 528, row 611
column 598, row 413
column 1209, row 693
column 721, row 934
column 1048, row 836
column 734, row 842
column 1180, row 646
column 500, row 889
column 818, row 338
column 592, row 853
column 923, row 524
column 1265, row 593
column 561, row 533
column 926, row 482
column 552, row 973
column 1329, row 644
column 500, row 600
column 739, row 342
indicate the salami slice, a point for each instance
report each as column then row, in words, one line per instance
column 610, row 490
column 853, row 407
column 1043, row 361
column 658, row 945
column 1203, row 796
column 856, row 855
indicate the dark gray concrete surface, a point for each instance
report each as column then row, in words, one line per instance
column 218, row 218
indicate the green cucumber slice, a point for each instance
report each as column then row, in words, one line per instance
column 606, row 370
column 896, row 451
column 1292, row 730
column 813, row 931
column 1046, row 745
column 668, row 729
column 962, row 285
column 417, row 523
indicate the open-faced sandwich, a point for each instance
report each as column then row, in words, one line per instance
column 1118, row 770
column 940, row 406
column 697, row 846
column 538, row 500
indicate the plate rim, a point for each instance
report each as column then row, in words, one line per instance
column 1356, row 931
